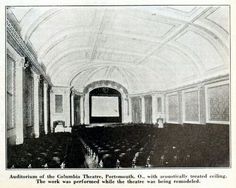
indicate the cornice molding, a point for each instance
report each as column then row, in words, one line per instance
column 197, row 84
column 24, row 50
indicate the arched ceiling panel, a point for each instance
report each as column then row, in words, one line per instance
column 133, row 81
column 140, row 27
column 203, row 48
column 67, row 59
column 180, row 65
column 65, row 18
column 34, row 19
column 72, row 33
column 127, row 43
column 145, row 48
column 66, row 55
column 62, row 59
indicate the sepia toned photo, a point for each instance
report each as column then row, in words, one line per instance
column 117, row 87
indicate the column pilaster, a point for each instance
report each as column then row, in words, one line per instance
column 36, row 104
column 82, row 109
column 19, row 101
column 72, row 108
column 45, row 90
column 130, row 109
column 143, row 108
column 154, row 108
column 202, row 105
column 180, row 118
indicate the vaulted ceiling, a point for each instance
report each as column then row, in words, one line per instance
column 144, row 48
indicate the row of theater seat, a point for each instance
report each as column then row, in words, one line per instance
column 48, row 151
column 130, row 146
column 146, row 146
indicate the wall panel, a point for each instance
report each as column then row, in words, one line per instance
column 60, row 105
column 136, row 109
column 173, row 108
column 148, row 109
column 28, row 104
column 76, row 110
column 10, row 92
column 218, row 103
column 191, row 106
column 41, row 107
column 10, row 106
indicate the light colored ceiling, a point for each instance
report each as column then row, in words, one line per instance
column 143, row 48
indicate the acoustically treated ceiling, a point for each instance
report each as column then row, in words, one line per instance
column 144, row 48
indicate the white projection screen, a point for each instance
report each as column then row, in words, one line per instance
column 103, row 106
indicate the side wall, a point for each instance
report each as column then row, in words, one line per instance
column 200, row 103
column 60, row 105
column 207, row 102
column 26, row 100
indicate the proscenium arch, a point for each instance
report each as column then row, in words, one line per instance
column 125, row 116
column 90, row 74
column 106, row 83
column 105, row 92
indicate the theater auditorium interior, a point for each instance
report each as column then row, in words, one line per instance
column 117, row 86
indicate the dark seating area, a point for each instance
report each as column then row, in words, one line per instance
column 126, row 146
column 48, row 151
column 148, row 146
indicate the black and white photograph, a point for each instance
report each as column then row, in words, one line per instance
column 117, row 87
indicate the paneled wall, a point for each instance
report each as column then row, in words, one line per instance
column 60, row 105
column 77, row 109
column 41, row 107
column 136, row 109
column 200, row 104
column 191, row 106
column 173, row 108
column 217, row 97
column 28, row 104
column 159, row 105
column 10, row 100
column 148, row 109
